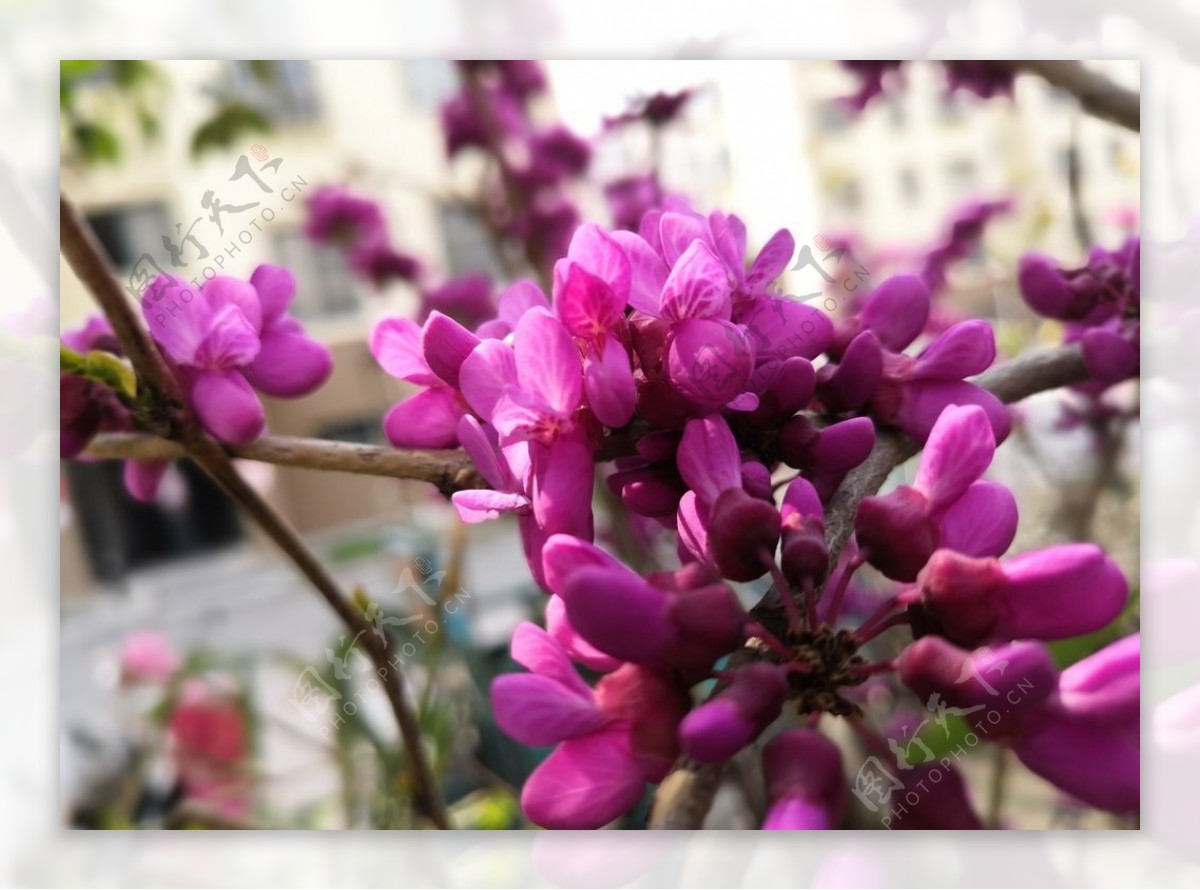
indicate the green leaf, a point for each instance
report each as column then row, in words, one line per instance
column 102, row 367
column 231, row 122
column 264, row 70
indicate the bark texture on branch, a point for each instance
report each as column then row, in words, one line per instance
column 686, row 795
column 1096, row 94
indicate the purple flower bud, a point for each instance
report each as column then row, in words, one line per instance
column 942, row 803
column 446, row 345
column 1111, row 354
column 736, row 715
column 741, row 529
column 896, row 532
column 851, row 383
column 1048, row 594
column 652, row 491
column 897, row 311
column 805, row 785
column 756, row 480
column 1047, row 290
column 709, row 623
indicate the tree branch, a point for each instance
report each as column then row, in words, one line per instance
column 86, row 258
column 1097, row 95
column 685, row 796
column 450, row 471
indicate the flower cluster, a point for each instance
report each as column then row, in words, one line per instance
column 1099, row 305
column 670, row 353
column 492, row 112
column 225, row 341
column 356, row 225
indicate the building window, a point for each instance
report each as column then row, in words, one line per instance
column 469, row 245
column 429, row 82
column 896, row 113
column 962, row 174
column 847, row 194
column 325, row 286
column 832, row 115
column 128, row 232
column 950, row 108
column 910, row 188
column 284, row 90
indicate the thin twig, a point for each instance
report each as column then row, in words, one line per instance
column 86, row 258
column 450, row 471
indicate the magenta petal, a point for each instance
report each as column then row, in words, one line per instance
column 142, row 477
column 648, row 272
column 586, row 304
column 562, row 555
column 537, row 710
column 289, row 364
column 1102, row 769
column 981, row 523
column 959, row 449
column 772, row 259
column 800, row 499
column 1060, row 592
column 396, row 345
column 678, row 232
column 1109, row 357
column 536, row 650
column 548, row 362
column 177, row 315
column 838, row 449
column 966, row 349
column 595, row 251
column 276, row 286
column 485, row 374
column 579, row 649
column 446, row 344
column 698, row 286
column 619, row 613
column 715, row 731
column 897, row 311
column 227, row 406
column 231, row 341
column 795, row 814
column 482, row 449
column 519, row 299
column 803, row 765
column 782, row 328
column 608, row 381
column 709, row 360
column 692, row 524
column 477, row 505
column 852, row 382
column 584, row 783
column 225, row 290
column 1044, row 287
column 708, row 458
column 563, row 478
column 428, row 419
column 924, row 402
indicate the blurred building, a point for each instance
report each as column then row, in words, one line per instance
column 160, row 207
column 895, row 172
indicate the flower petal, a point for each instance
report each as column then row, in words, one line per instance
column 537, row 710
column 595, row 251
column 289, row 364
column 959, row 449
column 608, row 381
column 648, row 272
column 897, row 311
column 428, row 419
column 477, row 505
column 537, row 651
column 142, row 477
column 584, row 783
column 445, row 345
column 619, row 613
column 698, row 286
column 396, row 345
column 485, row 374
column 579, row 649
column 548, row 364
column 708, row 458
column 967, row 348
column 564, row 554
column 983, row 522
column 1061, row 592
column 227, row 406
column 772, row 259
column 276, row 286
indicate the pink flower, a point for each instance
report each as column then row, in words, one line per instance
column 611, row 740
column 805, row 787
column 230, row 337
column 147, row 656
column 210, row 746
